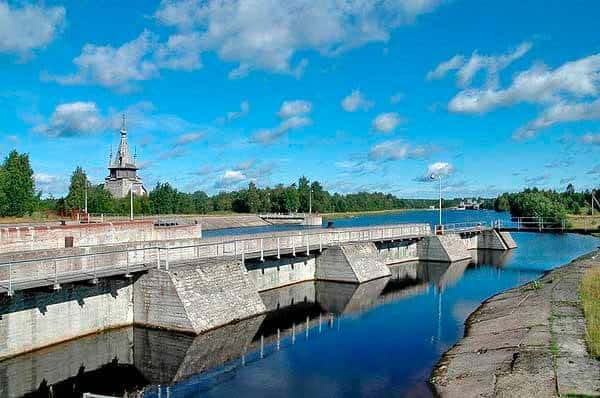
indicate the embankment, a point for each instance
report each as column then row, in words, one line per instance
column 526, row 342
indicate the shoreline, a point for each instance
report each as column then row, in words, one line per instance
column 526, row 341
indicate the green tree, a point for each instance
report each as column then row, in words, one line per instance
column 76, row 197
column 17, row 187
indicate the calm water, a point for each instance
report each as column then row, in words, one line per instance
column 412, row 216
column 376, row 339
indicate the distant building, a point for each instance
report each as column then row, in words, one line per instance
column 122, row 177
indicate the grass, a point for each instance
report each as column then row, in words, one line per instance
column 348, row 214
column 535, row 285
column 582, row 222
column 590, row 297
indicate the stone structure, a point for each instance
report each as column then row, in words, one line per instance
column 352, row 262
column 194, row 298
column 30, row 239
column 122, row 178
column 194, row 285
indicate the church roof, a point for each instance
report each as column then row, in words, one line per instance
column 122, row 159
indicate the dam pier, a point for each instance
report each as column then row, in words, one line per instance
column 59, row 283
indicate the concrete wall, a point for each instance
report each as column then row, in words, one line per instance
column 352, row 262
column 30, row 320
column 196, row 298
column 443, row 248
column 164, row 357
column 277, row 273
column 279, row 298
column 398, row 252
column 17, row 239
column 26, row 373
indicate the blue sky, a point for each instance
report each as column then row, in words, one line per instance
column 361, row 95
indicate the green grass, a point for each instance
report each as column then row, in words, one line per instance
column 590, row 297
column 535, row 285
column 349, row 214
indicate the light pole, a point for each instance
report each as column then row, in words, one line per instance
column 439, row 177
column 131, row 203
column 310, row 201
column 85, row 196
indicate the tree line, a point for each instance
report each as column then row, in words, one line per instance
column 18, row 197
column 533, row 202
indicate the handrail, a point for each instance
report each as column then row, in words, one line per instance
column 50, row 269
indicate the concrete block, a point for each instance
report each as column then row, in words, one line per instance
column 444, row 248
column 196, row 297
column 352, row 262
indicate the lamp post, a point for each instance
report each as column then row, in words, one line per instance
column 85, row 196
column 131, row 203
column 439, row 177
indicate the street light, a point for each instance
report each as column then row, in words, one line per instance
column 439, row 177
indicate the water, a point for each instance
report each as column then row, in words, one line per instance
column 411, row 216
column 377, row 339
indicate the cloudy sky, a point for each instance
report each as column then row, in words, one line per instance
column 359, row 94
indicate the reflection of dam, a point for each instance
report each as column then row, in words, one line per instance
column 134, row 357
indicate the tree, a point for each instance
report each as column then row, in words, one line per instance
column 570, row 190
column 17, row 187
column 303, row 194
column 502, row 203
column 76, row 196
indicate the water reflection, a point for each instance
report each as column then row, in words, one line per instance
column 318, row 338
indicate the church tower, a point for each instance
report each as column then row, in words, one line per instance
column 122, row 177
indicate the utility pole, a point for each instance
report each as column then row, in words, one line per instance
column 310, row 200
column 85, row 200
column 440, row 178
column 131, row 203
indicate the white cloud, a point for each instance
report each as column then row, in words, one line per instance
column 244, row 109
column 559, row 113
column 538, row 84
column 72, row 119
column 294, row 115
column 387, row 122
column 567, row 93
column 269, row 136
column 438, row 169
column 189, row 138
column 43, row 178
column 397, row 150
column 268, row 35
column 114, row 67
column 26, row 28
column 468, row 68
column 294, row 108
column 442, row 69
column 230, row 178
column 394, row 99
column 356, row 101
column 591, row 138
column 80, row 118
column 180, row 52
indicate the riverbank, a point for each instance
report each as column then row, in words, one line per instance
column 351, row 214
column 528, row 341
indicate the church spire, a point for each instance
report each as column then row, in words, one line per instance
column 123, row 157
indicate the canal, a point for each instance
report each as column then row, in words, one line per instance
column 320, row 339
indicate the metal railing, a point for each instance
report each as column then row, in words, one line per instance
column 52, row 271
column 473, row 226
column 535, row 223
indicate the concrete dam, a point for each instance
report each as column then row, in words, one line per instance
column 122, row 274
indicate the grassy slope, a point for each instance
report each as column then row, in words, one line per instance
column 590, row 295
